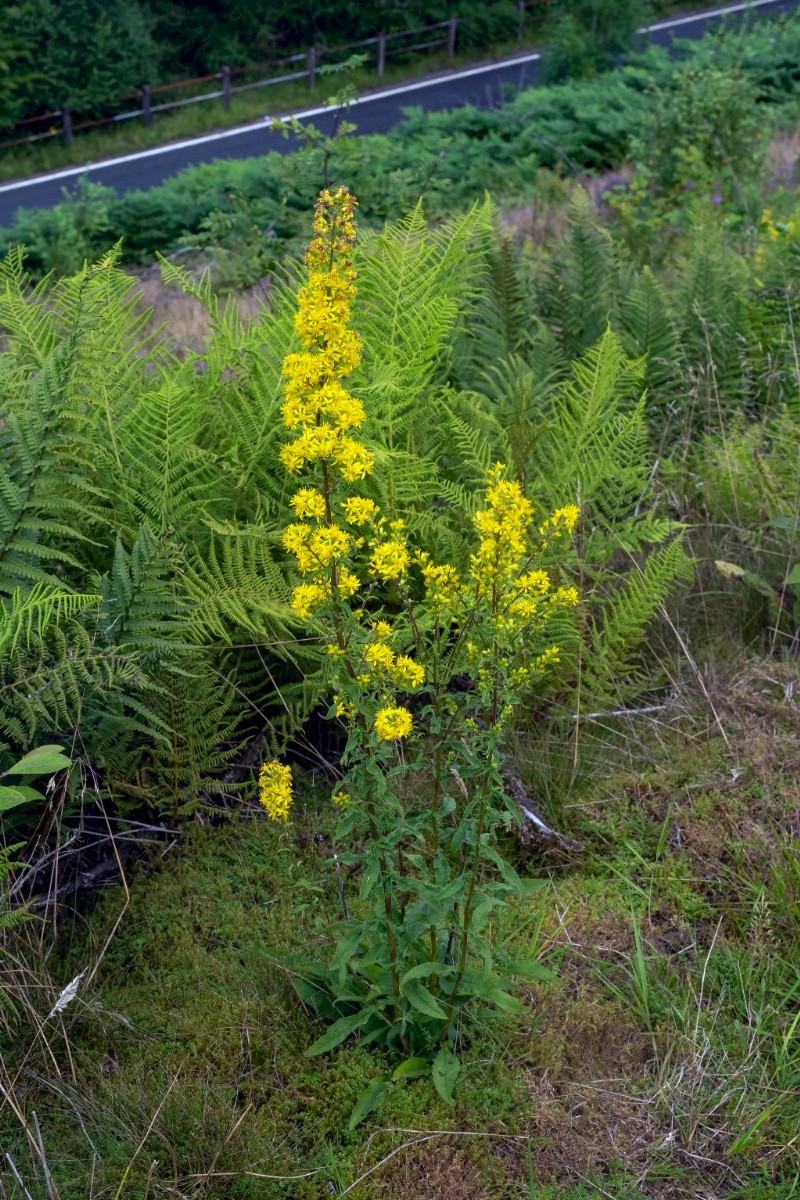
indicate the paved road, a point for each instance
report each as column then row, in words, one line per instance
column 375, row 113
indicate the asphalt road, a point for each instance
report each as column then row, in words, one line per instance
column 374, row 113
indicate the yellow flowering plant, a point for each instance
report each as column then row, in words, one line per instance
column 427, row 666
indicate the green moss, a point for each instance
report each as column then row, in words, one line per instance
column 192, row 1024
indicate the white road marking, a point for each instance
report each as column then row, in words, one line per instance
column 387, row 94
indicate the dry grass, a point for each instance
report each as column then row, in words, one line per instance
column 185, row 319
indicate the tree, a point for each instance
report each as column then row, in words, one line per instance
column 18, row 73
column 583, row 37
column 92, row 51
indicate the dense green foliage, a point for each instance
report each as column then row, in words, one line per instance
column 89, row 53
column 140, row 517
column 452, row 156
column 82, row 53
column 583, row 37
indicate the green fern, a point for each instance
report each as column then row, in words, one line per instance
column 11, row 917
column 610, row 668
column 579, row 295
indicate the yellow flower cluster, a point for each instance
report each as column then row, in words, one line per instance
column 382, row 660
column 503, row 527
column 390, row 560
column 275, row 789
column 562, row 521
column 316, row 403
column 442, row 583
column 358, row 510
column 322, row 414
column 391, row 723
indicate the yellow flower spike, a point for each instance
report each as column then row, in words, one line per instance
column 392, row 723
column 275, row 789
column 331, row 351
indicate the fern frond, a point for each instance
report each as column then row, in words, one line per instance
column 237, row 590
column 627, row 610
column 29, row 613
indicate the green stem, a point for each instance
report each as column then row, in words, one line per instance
column 462, row 957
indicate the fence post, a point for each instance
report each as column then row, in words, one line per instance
column 381, row 53
column 452, row 26
column 147, row 105
column 66, row 125
column 520, row 19
column 311, row 61
column 226, row 87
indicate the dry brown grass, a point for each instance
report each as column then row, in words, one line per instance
column 185, row 319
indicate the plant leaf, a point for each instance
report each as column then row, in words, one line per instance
column 728, row 569
column 368, row 1101
column 528, row 968
column 338, row 1031
column 412, row 1068
column 12, row 797
column 425, row 969
column 44, row 760
column 423, row 1000
column 445, row 1071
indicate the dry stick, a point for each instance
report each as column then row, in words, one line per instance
column 427, row 1136
column 17, row 1176
column 697, row 673
column 149, row 1179
column 520, row 795
column 51, row 1191
column 251, row 1175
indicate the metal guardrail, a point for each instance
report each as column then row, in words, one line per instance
column 383, row 46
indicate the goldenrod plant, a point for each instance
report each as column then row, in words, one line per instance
column 427, row 666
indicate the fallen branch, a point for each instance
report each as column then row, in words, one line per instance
column 519, row 794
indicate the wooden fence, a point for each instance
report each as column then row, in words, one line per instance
column 306, row 65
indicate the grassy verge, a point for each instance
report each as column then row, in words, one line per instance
column 660, row 1063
